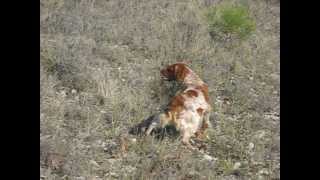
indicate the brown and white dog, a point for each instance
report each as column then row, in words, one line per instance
column 189, row 110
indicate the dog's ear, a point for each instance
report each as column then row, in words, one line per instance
column 168, row 72
column 181, row 71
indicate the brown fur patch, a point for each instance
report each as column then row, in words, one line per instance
column 192, row 93
column 205, row 125
column 200, row 111
column 204, row 89
column 181, row 71
column 177, row 103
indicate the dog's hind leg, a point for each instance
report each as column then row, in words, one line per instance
column 201, row 132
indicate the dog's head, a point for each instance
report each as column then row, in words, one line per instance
column 177, row 71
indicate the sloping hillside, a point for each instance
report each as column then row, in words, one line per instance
column 100, row 62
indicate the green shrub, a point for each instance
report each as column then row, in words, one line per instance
column 225, row 20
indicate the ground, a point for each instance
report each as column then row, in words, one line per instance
column 100, row 62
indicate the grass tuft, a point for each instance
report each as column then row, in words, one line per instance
column 227, row 19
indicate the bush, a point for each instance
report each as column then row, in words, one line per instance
column 227, row 20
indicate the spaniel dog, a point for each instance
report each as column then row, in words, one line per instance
column 189, row 110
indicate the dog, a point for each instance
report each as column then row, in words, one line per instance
column 189, row 110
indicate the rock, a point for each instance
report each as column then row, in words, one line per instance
column 230, row 177
column 250, row 146
column 207, row 157
column 112, row 161
column 236, row 165
column 94, row 163
column 259, row 134
column 80, row 178
column 260, row 177
column 134, row 140
column 263, row 172
column 112, row 174
column 130, row 169
column 96, row 178
column 193, row 173
column 63, row 93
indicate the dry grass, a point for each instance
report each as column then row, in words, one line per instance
column 100, row 63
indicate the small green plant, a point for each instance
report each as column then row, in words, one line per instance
column 225, row 20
